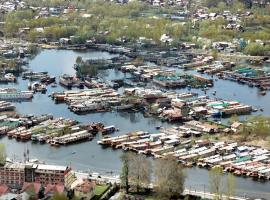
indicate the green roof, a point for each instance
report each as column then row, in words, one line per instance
column 8, row 123
column 245, row 158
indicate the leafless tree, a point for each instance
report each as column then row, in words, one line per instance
column 169, row 179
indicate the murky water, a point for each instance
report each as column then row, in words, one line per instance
column 89, row 155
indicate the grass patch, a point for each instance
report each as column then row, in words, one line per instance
column 100, row 189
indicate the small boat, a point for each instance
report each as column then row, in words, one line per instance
column 73, row 152
column 54, row 143
column 263, row 93
column 10, row 77
column 108, row 130
column 37, row 87
column 54, row 85
column 254, row 109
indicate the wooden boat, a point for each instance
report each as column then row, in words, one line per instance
column 108, row 130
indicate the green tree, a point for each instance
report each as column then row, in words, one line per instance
column 221, row 6
column 79, row 60
column 211, row 3
column 3, row 154
column 170, row 179
column 255, row 49
column 41, row 191
column 233, row 118
column 32, row 194
column 125, row 172
column 214, row 53
column 58, row 196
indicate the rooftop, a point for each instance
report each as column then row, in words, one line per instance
column 52, row 167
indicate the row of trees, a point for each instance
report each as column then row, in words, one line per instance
column 137, row 173
column 120, row 22
column 126, row 23
column 237, row 4
column 168, row 177
column 255, row 49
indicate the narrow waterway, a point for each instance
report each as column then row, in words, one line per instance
column 89, row 155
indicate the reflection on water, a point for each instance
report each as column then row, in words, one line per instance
column 89, row 155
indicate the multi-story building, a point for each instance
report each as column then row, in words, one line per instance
column 12, row 174
column 15, row 174
column 51, row 174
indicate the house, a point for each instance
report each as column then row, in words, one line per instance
column 85, row 189
column 12, row 174
column 163, row 102
column 52, row 189
column 65, row 41
column 48, row 174
column 49, row 190
column 35, row 187
column 166, row 39
column 235, row 126
column 3, row 189
column 172, row 114
column 55, row 11
column 8, row 196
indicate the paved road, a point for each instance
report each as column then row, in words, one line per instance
column 209, row 195
column 116, row 179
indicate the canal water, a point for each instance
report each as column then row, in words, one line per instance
column 92, row 157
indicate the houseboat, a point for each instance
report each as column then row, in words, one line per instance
column 10, row 94
column 108, row 130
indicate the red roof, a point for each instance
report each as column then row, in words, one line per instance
column 3, row 189
column 27, row 186
column 54, row 188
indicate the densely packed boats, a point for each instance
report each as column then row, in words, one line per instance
column 241, row 160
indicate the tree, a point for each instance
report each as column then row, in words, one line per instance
column 237, row 6
column 260, row 126
column 255, row 49
column 3, row 154
column 125, row 176
column 211, row 3
column 248, row 3
column 58, row 196
column 79, row 60
column 31, row 193
column 70, row 194
column 140, row 173
column 257, row 126
column 221, row 6
column 214, row 53
column 170, row 179
column 138, row 61
column 215, row 181
column 41, row 191
column 12, row 64
column 233, row 118
column 230, row 189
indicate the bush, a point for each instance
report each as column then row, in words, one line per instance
column 255, row 49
